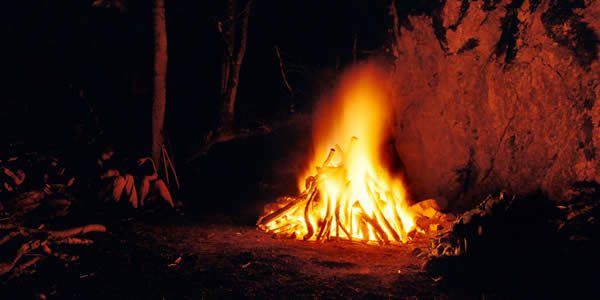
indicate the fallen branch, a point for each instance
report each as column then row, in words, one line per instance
column 77, row 231
column 7, row 238
column 24, row 249
column 43, row 241
column 18, row 270
column 282, row 71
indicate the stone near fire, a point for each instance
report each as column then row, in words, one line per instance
column 428, row 208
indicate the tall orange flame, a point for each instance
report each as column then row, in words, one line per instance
column 351, row 196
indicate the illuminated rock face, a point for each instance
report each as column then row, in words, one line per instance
column 499, row 96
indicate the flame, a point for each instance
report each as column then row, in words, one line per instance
column 351, row 195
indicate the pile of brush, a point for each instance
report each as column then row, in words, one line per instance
column 519, row 242
column 35, row 200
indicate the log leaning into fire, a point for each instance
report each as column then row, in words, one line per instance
column 276, row 214
column 309, row 227
column 339, row 224
column 312, row 195
column 329, row 157
column 379, row 214
column 398, row 219
column 306, row 198
column 379, row 233
column 325, row 223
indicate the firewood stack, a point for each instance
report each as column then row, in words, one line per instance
column 32, row 245
column 294, row 214
column 316, row 216
column 34, row 192
column 288, row 206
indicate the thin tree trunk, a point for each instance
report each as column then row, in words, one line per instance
column 228, row 109
column 160, row 79
column 228, row 34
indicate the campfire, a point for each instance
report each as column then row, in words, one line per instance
column 350, row 194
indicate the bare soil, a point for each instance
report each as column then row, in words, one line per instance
column 232, row 261
column 219, row 259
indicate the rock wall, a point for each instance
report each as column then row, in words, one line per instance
column 495, row 95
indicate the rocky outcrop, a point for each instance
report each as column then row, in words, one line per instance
column 498, row 95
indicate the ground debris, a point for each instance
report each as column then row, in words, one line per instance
column 36, row 199
column 502, row 234
column 38, row 242
column 176, row 262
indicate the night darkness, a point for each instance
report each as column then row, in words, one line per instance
column 76, row 69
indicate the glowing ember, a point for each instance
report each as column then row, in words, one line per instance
column 350, row 195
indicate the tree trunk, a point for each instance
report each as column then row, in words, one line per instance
column 228, row 108
column 160, row 79
column 229, row 38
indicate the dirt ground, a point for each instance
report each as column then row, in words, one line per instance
column 242, row 261
column 219, row 259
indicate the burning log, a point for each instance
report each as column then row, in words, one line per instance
column 379, row 232
column 339, row 224
column 327, row 210
column 309, row 228
column 379, row 214
column 285, row 228
column 354, row 175
column 362, row 227
column 276, row 214
column 398, row 221
column 329, row 157
column 325, row 223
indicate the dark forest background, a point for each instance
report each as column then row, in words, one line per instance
column 73, row 71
